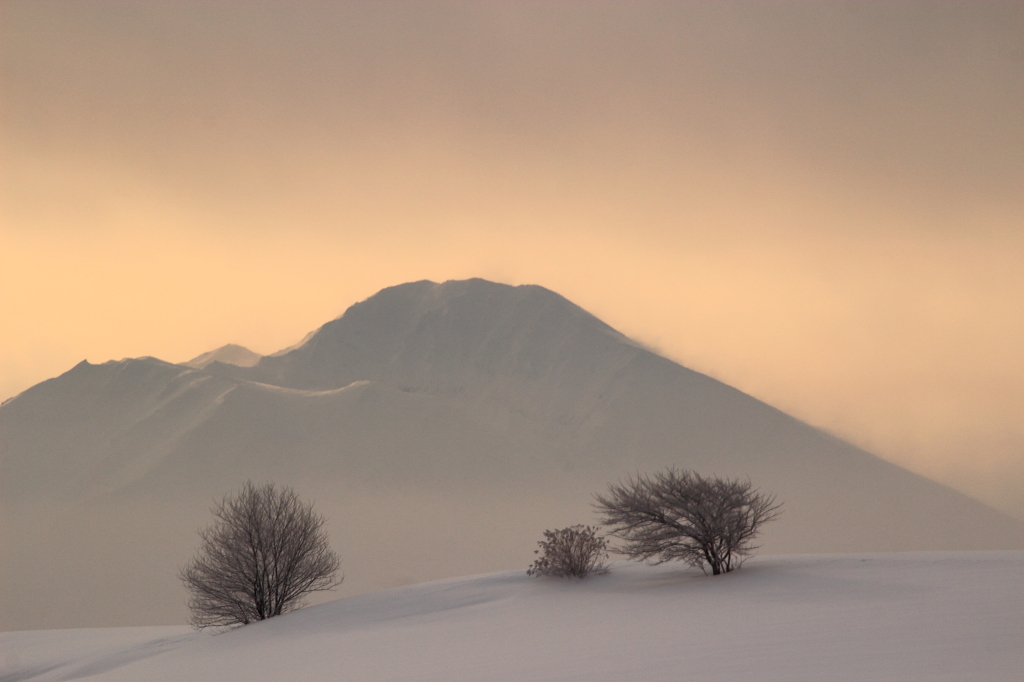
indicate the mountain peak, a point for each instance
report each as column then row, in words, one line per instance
column 469, row 295
column 441, row 338
column 231, row 354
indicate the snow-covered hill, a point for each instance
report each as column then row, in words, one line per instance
column 439, row 427
column 924, row 617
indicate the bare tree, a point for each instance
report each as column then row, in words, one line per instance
column 265, row 552
column 682, row 515
column 575, row 552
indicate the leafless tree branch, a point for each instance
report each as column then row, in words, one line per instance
column 264, row 553
column 681, row 515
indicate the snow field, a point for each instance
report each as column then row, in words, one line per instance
column 915, row 616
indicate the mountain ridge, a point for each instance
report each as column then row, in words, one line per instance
column 449, row 423
column 230, row 354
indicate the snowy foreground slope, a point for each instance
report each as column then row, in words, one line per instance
column 915, row 616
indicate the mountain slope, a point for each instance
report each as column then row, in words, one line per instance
column 231, row 354
column 440, row 427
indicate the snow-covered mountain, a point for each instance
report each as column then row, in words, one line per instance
column 927, row 617
column 440, row 427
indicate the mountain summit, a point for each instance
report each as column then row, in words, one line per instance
column 440, row 428
column 525, row 347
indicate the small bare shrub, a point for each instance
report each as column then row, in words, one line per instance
column 571, row 552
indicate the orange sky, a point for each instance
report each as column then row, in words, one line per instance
column 821, row 204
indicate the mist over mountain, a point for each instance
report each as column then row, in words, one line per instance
column 440, row 428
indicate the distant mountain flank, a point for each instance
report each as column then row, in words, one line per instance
column 231, row 354
column 440, row 427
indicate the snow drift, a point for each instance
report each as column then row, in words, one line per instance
column 916, row 616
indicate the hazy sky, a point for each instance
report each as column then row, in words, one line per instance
column 821, row 204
